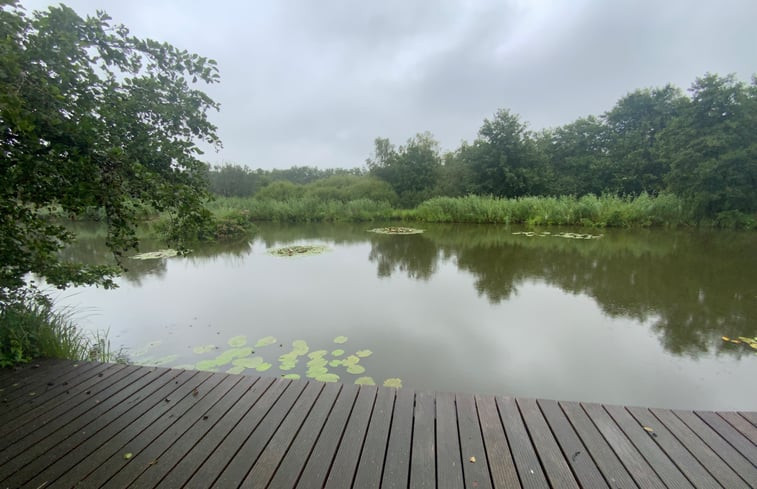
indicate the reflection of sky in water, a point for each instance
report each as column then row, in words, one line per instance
column 435, row 331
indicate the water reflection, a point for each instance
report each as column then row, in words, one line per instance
column 692, row 286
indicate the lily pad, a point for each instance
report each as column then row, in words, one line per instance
column 229, row 355
column 365, row 381
column 355, row 369
column 236, row 370
column 268, row 340
column 206, row 365
column 335, row 363
column 300, row 347
column 203, row 349
column 327, row 378
column 393, row 382
column 162, row 360
column 185, row 366
column 396, row 230
column 337, row 353
column 363, row 353
column 238, row 341
column 340, row 340
column 314, row 372
column 291, row 376
column 263, row 367
column 299, row 250
column 350, row 360
column 317, row 354
column 251, row 362
column 154, row 255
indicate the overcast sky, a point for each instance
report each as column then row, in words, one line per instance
column 315, row 82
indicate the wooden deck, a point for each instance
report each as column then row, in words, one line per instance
column 91, row 425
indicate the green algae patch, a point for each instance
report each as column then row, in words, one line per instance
column 203, row 349
column 268, row 340
column 396, row 230
column 238, row 341
column 547, row 234
column 299, row 250
column 155, row 255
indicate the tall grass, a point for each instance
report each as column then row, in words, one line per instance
column 30, row 328
column 304, row 209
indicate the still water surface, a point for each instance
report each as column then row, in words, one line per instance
column 635, row 317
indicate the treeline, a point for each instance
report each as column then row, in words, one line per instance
column 701, row 147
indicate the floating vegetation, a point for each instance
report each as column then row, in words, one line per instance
column 205, row 348
column 145, row 349
column 547, row 234
column 299, row 250
column 742, row 340
column 396, row 230
column 268, row 340
column 154, row 255
column 320, row 365
column 238, row 341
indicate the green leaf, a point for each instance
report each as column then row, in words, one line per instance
column 238, row 341
column 337, row 353
column 340, row 340
column 393, row 382
column 365, row 381
column 268, row 340
column 363, row 353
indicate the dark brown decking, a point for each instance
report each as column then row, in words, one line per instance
column 66, row 424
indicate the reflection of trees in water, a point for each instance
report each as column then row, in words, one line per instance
column 413, row 254
column 703, row 287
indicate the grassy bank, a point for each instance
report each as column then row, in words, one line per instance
column 30, row 328
column 665, row 210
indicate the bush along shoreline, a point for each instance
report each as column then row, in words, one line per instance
column 644, row 211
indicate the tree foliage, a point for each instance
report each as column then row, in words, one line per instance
column 91, row 116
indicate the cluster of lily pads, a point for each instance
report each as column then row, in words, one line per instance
column 396, row 230
column 299, row 250
column 240, row 357
column 154, row 255
column 742, row 340
column 545, row 234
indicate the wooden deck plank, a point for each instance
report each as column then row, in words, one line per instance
column 53, row 377
column 750, row 416
column 699, row 449
column 49, row 422
column 654, row 455
column 681, row 457
column 636, row 465
column 207, row 473
column 345, row 462
column 152, row 453
column 371, row 466
column 398, row 452
column 549, row 452
column 449, row 464
column 138, row 430
column 501, row 465
column 40, row 397
column 423, row 455
column 79, row 447
column 576, row 454
column 718, row 444
column 314, row 474
column 294, row 425
column 43, row 452
column 527, row 462
column 196, row 429
column 190, row 461
column 20, row 374
column 475, row 465
column 730, row 434
column 153, row 428
column 742, row 425
column 241, row 464
column 599, row 450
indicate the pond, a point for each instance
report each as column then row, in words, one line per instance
column 630, row 317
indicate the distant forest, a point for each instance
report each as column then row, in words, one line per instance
column 700, row 146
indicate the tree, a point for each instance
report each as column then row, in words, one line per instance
column 577, row 158
column 503, row 158
column 711, row 148
column 91, row 116
column 412, row 170
column 634, row 125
